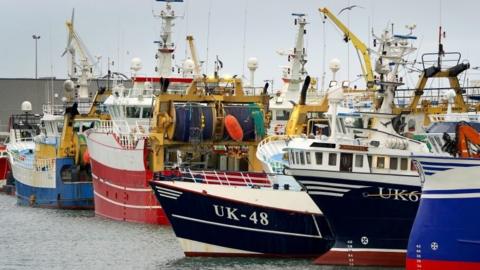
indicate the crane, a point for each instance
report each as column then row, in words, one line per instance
column 361, row 48
column 193, row 52
column 466, row 135
column 75, row 45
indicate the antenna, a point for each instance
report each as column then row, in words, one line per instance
column 324, row 61
column 244, row 37
column 208, row 32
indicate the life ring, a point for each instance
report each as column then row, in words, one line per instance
column 233, row 127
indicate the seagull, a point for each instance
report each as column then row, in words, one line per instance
column 349, row 8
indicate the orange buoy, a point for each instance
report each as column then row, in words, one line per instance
column 233, row 127
column 86, row 157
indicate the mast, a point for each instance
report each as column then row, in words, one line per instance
column 296, row 72
column 166, row 47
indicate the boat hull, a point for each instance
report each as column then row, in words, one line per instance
column 214, row 220
column 4, row 169
column 445, row 234
column 370, row 215
column 46, row 189
column 121, row 189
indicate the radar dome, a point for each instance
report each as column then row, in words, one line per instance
column 26, row 106
column 136, row 64
column 68, row 86
column 188, row 65
column 252, row 63
column 334, row 65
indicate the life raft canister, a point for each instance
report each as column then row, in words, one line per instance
column 233, row 127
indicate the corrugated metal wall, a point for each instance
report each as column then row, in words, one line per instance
column 14, row 91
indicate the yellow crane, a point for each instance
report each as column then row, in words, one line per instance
column 361, row 48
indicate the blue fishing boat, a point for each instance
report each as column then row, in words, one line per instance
column 445, row 233
column 52, row 170
column 242, row 214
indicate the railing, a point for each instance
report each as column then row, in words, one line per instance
column 104, row 126
column 54, row 109
column 246, row 179
column 455, row 117
column 435, row 96
column 127, row 137
column 270, row 147
column 28, row 162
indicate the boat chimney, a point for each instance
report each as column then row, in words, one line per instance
column 303, row 93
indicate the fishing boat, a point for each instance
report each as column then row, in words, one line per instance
column 363, row 181
column 216, row 213
column 22, row 128
column 367, row 188
column 121, row 189
column 53, row 170
column 445, row 232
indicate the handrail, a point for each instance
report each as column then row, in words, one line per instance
column 227, row 178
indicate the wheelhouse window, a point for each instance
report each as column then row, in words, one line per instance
column 358, row 161
column 413, row 167
column 146, row 112
column 404, row 164
column 319, row 158
column 282, row 115
column 307, row 157
column 380, row 162
column 332, row 159
column 302, row 158
column 393, row 163
column 133, row 112
column 292, row 157
column 297, row 157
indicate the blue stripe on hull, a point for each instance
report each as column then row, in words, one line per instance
column 72, row 195
column 287, row 234
column 446, row 230
column 375, row 216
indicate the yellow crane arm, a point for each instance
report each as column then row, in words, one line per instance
column 366, row 65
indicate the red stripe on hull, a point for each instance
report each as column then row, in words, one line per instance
column 362, row 258
column 423, row 264
column 125, row 195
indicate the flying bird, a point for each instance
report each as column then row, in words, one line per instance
column 349, row 8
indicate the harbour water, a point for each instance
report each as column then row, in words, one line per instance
column 33, row 238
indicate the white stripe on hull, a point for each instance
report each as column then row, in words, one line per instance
column 121, row 187
column 191, row 246
column 451, row 196
column 98, row 195
column 104, row 149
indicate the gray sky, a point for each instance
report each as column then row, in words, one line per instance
column 124, row 29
